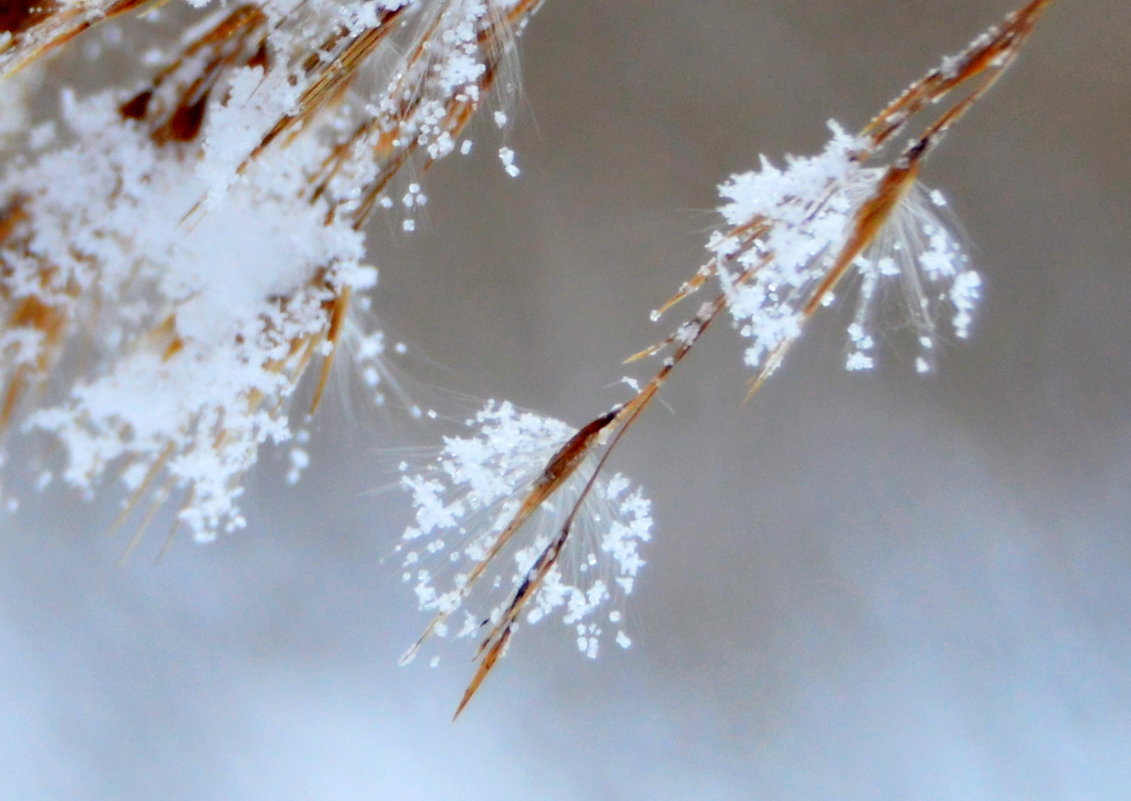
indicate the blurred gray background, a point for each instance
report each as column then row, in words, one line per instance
column 862, row 586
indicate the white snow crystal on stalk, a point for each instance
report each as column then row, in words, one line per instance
column 787, row 228
column 466, row 499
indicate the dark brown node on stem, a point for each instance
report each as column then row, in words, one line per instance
column 261, row 57
column 136, row 107
column 185, row 124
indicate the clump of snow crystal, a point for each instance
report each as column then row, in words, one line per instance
column 788, row 227
column 201, row 313
column 466, row 498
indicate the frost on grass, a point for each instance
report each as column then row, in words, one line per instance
column 465, row 500
column 787, row 227
column 198, row 318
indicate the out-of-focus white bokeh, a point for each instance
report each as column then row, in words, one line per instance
column 862, row 585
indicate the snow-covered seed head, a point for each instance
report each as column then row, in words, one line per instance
column 465, row 502
column 795, row 233
column 204, row 229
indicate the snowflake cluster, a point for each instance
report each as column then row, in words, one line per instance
column 465, row 499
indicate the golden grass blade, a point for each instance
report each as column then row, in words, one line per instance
column 338, row 309
column 992, row 53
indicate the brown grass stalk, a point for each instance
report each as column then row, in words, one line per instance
column 978, row 67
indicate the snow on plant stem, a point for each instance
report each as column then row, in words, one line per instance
column 464, row 503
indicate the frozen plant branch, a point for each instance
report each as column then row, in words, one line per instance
column 202, row 235
column 794, row 236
